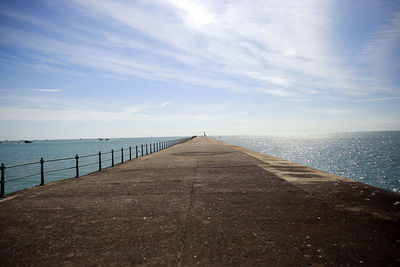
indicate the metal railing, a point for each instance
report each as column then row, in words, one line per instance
column 138, row 151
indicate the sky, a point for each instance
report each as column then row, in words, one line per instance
column 94, row 68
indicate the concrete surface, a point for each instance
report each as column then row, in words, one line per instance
column 203, row 202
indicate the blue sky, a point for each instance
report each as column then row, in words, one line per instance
column 81, row 69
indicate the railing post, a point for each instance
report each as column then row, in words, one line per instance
column 99, row 161
column 112, row 157
column 136, row 152
column 130, row 153
column 77, row 165
column 122, row 155
column 142, row 150
column 157, row 146
column 150, row 148
column 146, row 150
column 41, row 171
column 2, row 180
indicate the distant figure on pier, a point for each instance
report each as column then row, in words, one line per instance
column 205, row 134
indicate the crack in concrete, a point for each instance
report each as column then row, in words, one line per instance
column 183, row 238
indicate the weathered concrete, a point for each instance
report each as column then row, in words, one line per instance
column 202, row 202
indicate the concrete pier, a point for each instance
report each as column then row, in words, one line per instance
column 202, row 202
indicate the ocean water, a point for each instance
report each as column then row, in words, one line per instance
column 15, row 153
column 369, row 157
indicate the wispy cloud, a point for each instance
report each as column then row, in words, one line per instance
column 270, row 39
column 47, row 90
column 136, row 109
column 194, row 14
column 276, row 92
column 376, row 99
column 334, row 111
column 144, row 107
column 162, row 105
column 380, row 54
column 140, row 113
column 384, row 40
column 300, row 100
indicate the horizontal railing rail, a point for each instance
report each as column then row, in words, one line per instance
column 53, row 160
column 22, row 165
column 122, row 155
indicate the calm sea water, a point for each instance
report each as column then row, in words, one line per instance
column 13, row 153
column 368, row 157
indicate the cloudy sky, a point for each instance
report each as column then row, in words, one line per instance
column 78, row 69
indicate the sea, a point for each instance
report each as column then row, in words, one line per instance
column 369, row 157
column 19, row 152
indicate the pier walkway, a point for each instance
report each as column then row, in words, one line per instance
column 202, row 202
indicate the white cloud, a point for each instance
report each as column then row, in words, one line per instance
column 290, row 52
column 140, row 113
column 136, row 109
column 279, row 80
column 275, row 91
column 300, row 100
column 380, row 55
column 47, row 90
column 164, row 104
column 384, row 40
column 375, row 99
column 143, row 107
column 194, row 15
column 334, row 111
